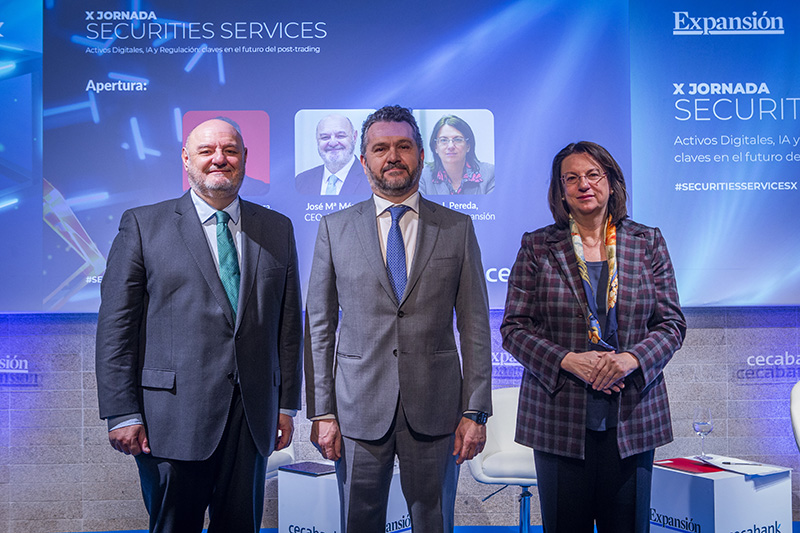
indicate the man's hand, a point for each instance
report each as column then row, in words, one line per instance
column 327, row 438
column 283, row 435
column 130, row 440
column 611, row 369
column 470, row 439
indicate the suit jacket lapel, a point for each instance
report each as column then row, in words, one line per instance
column 427, row 233
column 561, row 249
column 251, row 251
column 630, row 253
column 351, row 180
column 367, row 232
column 191, row 230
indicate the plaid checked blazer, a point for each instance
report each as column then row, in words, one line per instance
column 545, row 319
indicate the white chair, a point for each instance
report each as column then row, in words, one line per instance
column 503, row 461
column 279, row 459
column 794, row 408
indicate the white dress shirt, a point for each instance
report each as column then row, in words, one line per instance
column 208, row 218
column 341, row 175
column 408, row 225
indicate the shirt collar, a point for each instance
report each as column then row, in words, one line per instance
column 343, row 172
column 382, row 204
column 205, row 211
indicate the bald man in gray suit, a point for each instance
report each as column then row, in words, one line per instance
column 199, row 341
column 392, row 383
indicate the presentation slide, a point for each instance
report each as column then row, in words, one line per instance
column 716, row 145
column 696, row 104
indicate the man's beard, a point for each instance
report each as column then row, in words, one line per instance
column 396, row 188
column 335, row 160
column 199, row 182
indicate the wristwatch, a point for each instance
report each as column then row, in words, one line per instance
column 477, row 416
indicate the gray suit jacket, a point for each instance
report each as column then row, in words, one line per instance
column 167, row 346
column 385, row 351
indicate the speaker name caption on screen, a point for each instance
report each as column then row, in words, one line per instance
column 464, row 207
column 315, row 211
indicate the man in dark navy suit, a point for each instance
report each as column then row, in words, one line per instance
column 199, row 340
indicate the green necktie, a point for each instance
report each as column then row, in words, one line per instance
column 228, row 260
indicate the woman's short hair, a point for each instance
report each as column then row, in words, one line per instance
column 617, row 200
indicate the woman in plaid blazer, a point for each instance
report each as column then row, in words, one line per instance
column 593, row 316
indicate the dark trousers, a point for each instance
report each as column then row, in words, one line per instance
column 230, row 484
column 614, row 493
column 428, row 476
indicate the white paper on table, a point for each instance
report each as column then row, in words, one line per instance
column 741, row 466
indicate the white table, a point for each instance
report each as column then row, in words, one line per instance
column 720, row 501
column 310, row 504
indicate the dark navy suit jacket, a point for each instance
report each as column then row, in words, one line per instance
column 167, row 343
column 310, row 181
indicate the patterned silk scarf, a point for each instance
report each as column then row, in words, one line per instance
column 470, row 176
column 608, row 339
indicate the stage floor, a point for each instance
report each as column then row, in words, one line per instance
column 459, row 529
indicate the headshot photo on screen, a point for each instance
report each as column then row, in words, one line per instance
column 326, row 156
column 461, row 156
column 251, row 125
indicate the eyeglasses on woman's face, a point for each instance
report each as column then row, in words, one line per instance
column 593, row 176
column 444, row 141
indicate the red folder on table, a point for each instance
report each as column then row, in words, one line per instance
column 685, row 464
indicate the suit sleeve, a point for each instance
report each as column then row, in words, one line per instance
column 119, row 322
column 291, row 333
column 521, row 329
column 666, row 326
column 472, row 321
column 322, row 318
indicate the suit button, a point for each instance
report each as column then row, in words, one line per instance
column 401, row 314
column 394, row 352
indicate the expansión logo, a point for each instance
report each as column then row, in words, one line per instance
column 14, row 372
column 676, row 523
column 753, row 24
